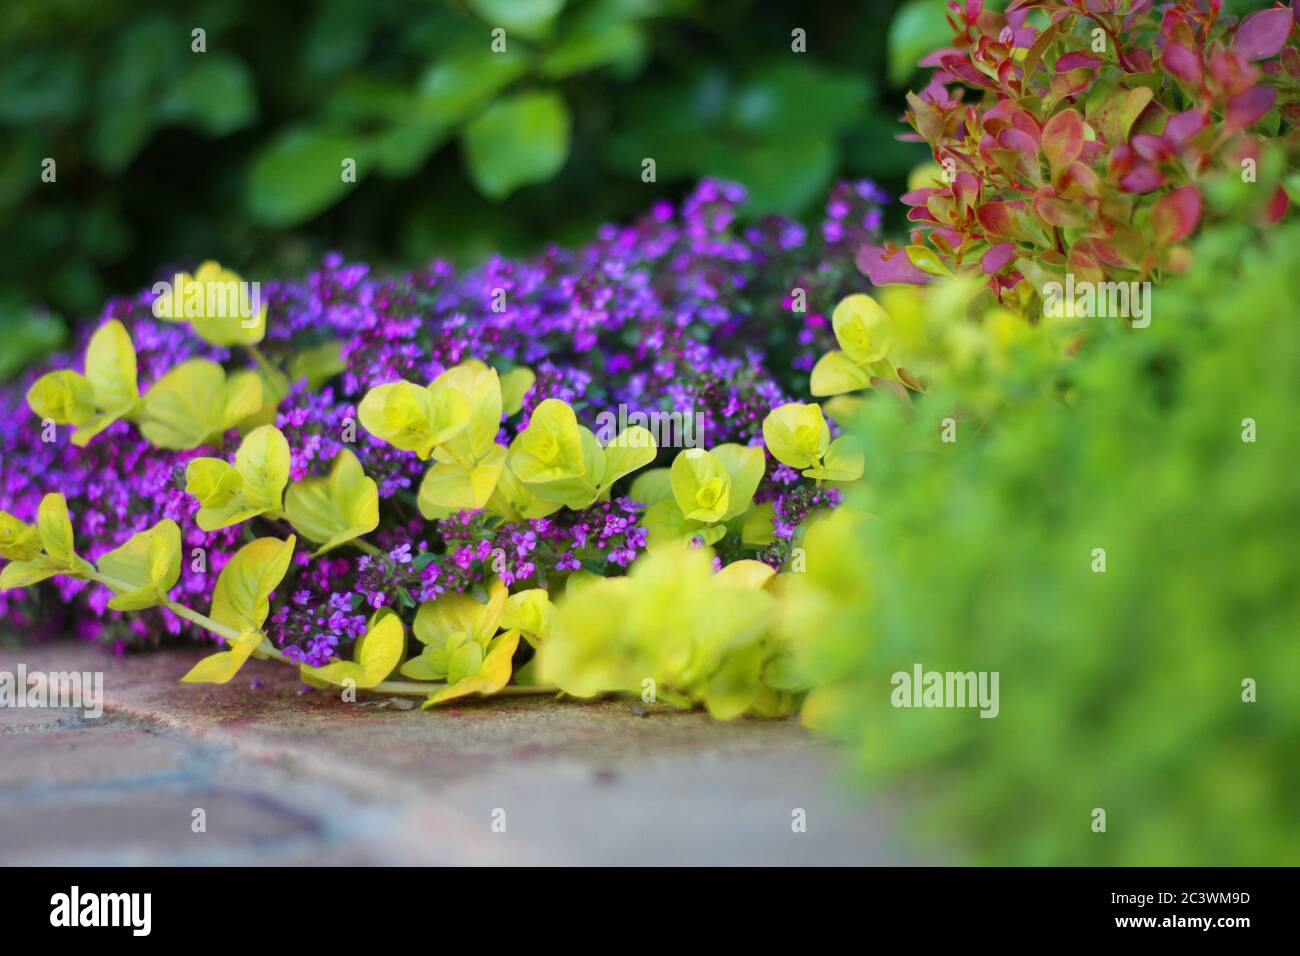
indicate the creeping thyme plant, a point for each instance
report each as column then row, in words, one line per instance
column 410, row 485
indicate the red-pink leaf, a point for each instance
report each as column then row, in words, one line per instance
column 1175, row 216
column 1077, row 60
column 1244, row 108
column 1263, row 33
column 1291, row 62
column 1055, row 210
column 1018, row 140
column 1276, row 206
column 884, row 266
column 1182, row 63
column 917, row 197
column 1063, row 139
column 966, row 190
column 1078, row 178
column 1183, row 126
column 962, row 68
column 1142, row 179
column 997, row 257
column 1156, row 149
column 998, row 219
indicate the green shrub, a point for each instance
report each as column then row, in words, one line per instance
column 1120, row 690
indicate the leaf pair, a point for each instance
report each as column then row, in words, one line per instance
column 862, row 329
column 448, row 624
column 336, row 509
column 797, row 435
column 461, row 643
column 254, row 485
column 106, row 392
column 144, row 569
column 241, row 603
column 701, row 491
column 196, row 403
column 560, row 461
column 470, row 464
column 40, row 551
column 412, row 418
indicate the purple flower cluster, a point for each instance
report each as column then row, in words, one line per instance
column 687, row 309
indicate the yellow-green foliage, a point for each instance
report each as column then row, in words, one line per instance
column 1113, row 531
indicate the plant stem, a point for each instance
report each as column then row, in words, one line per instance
column 227, row 633
column 367, row 547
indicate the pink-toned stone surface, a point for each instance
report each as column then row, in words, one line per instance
column 297, row 777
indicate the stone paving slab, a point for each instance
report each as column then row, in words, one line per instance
column 292, row 777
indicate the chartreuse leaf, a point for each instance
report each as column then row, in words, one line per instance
column 447, row 488
column 19, row 541
column 31, row 562
column 218, row 668
column 652, row 486
column 746, row 573
column 413, row 418
column 55, row 528
column 21, row 574
column 241, row 597
column 375, row 655
column 862, row 328
column 844, row 461
column 149, row 565
column 632, row 448
column 559, row 460
column 797, row 434
column 529, row 612
column 550, row 448
column 514, row 502
column 253, row 486
column 336, row 509
column 446, row 625
column 759, row 527
column 481, row 388
column 195, row 403
column 665, row 525
column 745, row 465
column 836, row 373
column 703, row 638
column 477, row 673
column 108, row 391
column 707, row 488
column 515, row 385
column 64, row 397
column 111, row 372
column 701, row 485
column 580, row 490
column 220, row 306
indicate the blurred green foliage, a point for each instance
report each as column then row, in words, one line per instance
column 1121, row 690
column 167, row 156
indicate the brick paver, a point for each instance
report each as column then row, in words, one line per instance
column 290, row 777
